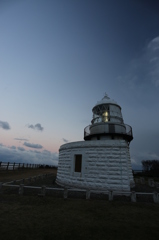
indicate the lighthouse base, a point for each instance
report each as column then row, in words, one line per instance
column 95, row 165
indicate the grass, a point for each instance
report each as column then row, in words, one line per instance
column 6, row 176
column 45, row 218
column 27, row 218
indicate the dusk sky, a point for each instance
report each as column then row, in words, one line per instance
column 59, row 57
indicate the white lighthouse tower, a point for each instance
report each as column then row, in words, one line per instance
column 102, row 161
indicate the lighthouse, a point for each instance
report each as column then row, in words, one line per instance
column 102, row 160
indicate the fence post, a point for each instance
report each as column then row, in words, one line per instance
column 155, row 197
column 43, row 190
column 21, row 190
column 65, row 194
column 13, row 165
column 88, row 194
column 133, row 196
column 110, row 195
column 7, row 166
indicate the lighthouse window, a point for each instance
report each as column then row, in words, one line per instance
column 78, row 163
column 105, row 116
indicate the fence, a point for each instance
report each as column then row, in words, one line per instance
column 15, row 166
column 42, row 191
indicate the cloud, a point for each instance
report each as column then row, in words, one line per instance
column 4, row 125
column 154, row 44
column 21, row 148
column 36, row 127
column 144, row 146
column 144, row 70
column 13, row 147
column 32, row 145
column 21, row 139
column 8, row 154
column 138, row 156
column 65, row 140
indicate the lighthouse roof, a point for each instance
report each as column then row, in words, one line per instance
column 106, row 100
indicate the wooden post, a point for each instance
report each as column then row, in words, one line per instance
column 13, row 165
column 7, row 166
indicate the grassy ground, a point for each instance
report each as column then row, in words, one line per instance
column 6, row 176
column 45, row 218
column 23, row 217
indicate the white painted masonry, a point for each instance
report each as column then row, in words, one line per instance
column 106, row 163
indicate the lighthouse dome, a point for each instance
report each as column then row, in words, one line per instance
column 107, row 110
column 106, row 100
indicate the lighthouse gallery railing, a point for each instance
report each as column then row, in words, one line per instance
column 128, row 130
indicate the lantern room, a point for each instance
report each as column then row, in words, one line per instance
column 107, row 122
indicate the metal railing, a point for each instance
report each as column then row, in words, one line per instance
column 128, row 130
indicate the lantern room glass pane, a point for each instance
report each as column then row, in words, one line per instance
column 105, row 116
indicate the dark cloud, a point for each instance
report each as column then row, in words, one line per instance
column 31, row 126
column 65, row 140
column 4, row 125
column 28, row 156
column 13, row 147
column 21, row 139
column 21, row 148
column 32, row 145
column 36, row 127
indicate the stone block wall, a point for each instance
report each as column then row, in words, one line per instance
column 106, row 165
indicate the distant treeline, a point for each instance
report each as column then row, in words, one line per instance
column 151, row 166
